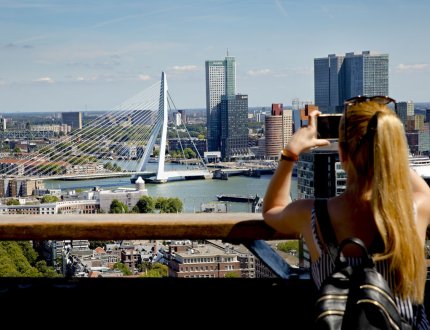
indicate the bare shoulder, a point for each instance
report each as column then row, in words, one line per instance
column 422, row 202
column 302, row 205
column 300, row 212
column 291, row 219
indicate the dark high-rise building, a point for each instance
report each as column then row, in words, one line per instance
column 338, row 78
column 73, row 119
column 220, row 80
column 405, row 111
column 234, row 127
column 320, row 173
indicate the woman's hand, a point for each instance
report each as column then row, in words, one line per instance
column 306, row 137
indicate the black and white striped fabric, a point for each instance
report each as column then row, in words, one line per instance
column 324, row 266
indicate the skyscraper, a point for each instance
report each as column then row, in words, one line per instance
column 278, row 129
column 338, row 78
column 2, row 123
column 220, row 80
column 73, row 119
column 234, row 127
column 405, row 111
column 183, row 116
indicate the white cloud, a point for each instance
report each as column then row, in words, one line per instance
column 81, row 78
column 412, row 67
column 144, row 77
column 184, row 68
column 259, row 72
column 47, row 80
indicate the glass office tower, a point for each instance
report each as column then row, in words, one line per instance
column 220, row 80
column 338, row 78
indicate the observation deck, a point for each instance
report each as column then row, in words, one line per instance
column 270, row 302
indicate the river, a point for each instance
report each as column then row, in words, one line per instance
column 192, row 193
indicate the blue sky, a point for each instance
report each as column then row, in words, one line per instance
column 92, row 55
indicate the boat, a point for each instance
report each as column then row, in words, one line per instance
column 236, row 198
column 421, row 165
column 253, row 173
column 220, row 175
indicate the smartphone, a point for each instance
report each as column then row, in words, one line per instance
column 328, row 125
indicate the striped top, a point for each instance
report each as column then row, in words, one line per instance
column 324, row 266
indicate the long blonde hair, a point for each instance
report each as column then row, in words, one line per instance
column 375, row 143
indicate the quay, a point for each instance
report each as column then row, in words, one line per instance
column 102, row 176
column 220, row 170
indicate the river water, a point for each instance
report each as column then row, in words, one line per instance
column 192, row 193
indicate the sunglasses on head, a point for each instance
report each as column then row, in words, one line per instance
column 381, row 99
column 362, row 98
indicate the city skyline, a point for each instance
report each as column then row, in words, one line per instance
column 84, row 56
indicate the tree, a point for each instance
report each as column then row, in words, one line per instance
column 49, row 168
column 288, row 245
column 189, row 153
column 160, row 202
column 144, row 266
column 28, row 251
column 231, row 275
column 7, row 267
column 116, row 168
column 13, row 262
column 175, row 205
column 123, row 268
column 157, row 270
column 49, row 199
column 145, row 204
column 169, row 205
column 135, row 209
column 118, row 207
column 102, row 244
column 45, row 270
column 108, row 166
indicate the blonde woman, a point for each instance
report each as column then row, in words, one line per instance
column 385, row 204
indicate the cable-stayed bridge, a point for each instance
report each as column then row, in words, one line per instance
column 127, row 133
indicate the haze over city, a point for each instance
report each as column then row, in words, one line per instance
column 92, row 55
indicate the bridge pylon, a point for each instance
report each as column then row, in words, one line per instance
column 162, row 107
column 163, row 176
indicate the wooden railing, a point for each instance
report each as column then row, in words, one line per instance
column 225, row 226
column 62, row 297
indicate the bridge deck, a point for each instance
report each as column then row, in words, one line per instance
column 181, row 175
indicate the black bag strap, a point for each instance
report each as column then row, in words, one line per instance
column 366, row 258
column 326, row 228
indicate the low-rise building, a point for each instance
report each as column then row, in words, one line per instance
column 128, row 196
column 201, row 261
